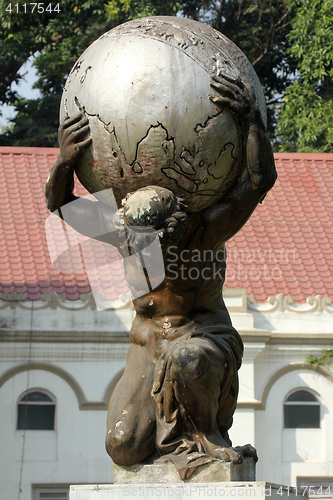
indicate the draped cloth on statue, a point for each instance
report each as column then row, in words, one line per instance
column 177, row 437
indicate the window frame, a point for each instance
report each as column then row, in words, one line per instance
column 37, row 490
column 318, row 402
column 53, row 402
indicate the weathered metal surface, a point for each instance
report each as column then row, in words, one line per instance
column 176, row 118
column 145, row 88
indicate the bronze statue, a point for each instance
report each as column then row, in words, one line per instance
column 177, row 396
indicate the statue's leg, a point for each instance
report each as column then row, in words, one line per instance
column 131, row 419
column 201, row 371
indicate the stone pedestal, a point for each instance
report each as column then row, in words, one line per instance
column 167, row 473
column 196, row 491
column 154, row 481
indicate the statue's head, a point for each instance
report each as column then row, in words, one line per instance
column 150, row 211
column 150, row 206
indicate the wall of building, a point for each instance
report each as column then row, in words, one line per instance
column 76, row 355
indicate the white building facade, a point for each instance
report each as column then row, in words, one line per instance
column 61, row 359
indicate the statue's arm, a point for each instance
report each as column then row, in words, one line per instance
column 93, row 219
column 60, row 183
column 258, row 174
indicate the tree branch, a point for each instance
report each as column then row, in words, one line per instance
column 219, row 15
column 70, row 30
column 260, row 57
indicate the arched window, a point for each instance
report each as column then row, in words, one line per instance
column 35, row 411
column 301, row 410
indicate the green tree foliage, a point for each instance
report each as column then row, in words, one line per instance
column 66, row 33
column 306, row 119
column 260, row 29
column 57, row 39
column 36, row 123
column 120, row 11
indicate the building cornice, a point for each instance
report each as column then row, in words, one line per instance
column 55, row 319
column 236, row 300
column 51, row 300
column 65, row 336
column 282, row 303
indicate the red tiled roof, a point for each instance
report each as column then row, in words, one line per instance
column 286, row 247
column 25, row 265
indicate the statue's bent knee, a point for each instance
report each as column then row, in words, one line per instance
column 128, row 447
column 120, row 447
column 189, row 360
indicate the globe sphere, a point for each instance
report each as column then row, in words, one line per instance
column 145, row 87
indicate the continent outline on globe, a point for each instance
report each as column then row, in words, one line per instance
column 194, row 166
column 189, row 173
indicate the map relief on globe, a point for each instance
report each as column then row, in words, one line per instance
column 145, row 87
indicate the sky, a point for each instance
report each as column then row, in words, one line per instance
column 24, row 88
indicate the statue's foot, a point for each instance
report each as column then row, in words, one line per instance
column 216, row 447
column 228, row 454
column 248, row 451
column 219, row 449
